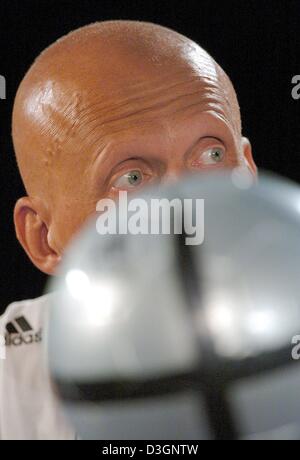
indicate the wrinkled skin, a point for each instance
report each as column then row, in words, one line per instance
column 105, row 101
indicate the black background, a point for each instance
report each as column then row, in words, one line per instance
column 257, row 43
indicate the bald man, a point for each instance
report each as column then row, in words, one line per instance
column 110, row 107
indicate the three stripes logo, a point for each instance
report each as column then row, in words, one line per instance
column 19, row 332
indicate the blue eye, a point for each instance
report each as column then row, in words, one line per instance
column 213, row 155
column 130, row 179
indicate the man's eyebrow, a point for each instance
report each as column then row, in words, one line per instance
column 104, row 153
column 103, row 176
column 199, row 139
column 126, row 155
column 107, row 156
column 110, row 147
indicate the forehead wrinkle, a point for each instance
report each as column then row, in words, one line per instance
column 208, row 93
column 65, row 114
column 101, row 134
column 102, row 138
column 134, row 111
column 151, row 86
column 131, row 96
column 54, row 94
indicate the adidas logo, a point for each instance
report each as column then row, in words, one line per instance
column 19, row 332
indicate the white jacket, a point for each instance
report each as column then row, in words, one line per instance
column 28, row 407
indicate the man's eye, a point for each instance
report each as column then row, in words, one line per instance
column 130, row 180
column 213, row 155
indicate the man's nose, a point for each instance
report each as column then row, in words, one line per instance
column 172, row 176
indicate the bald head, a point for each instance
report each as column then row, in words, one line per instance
column 114, row 68
column 114, row 98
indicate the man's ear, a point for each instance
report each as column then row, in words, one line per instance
column 33, row 234
column 247, row 152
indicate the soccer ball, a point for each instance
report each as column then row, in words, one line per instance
column 152, row 338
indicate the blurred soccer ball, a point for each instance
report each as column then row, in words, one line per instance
column 149, row 338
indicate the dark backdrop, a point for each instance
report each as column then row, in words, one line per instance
column 257, row 43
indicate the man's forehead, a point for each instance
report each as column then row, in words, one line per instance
column 88, row 110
